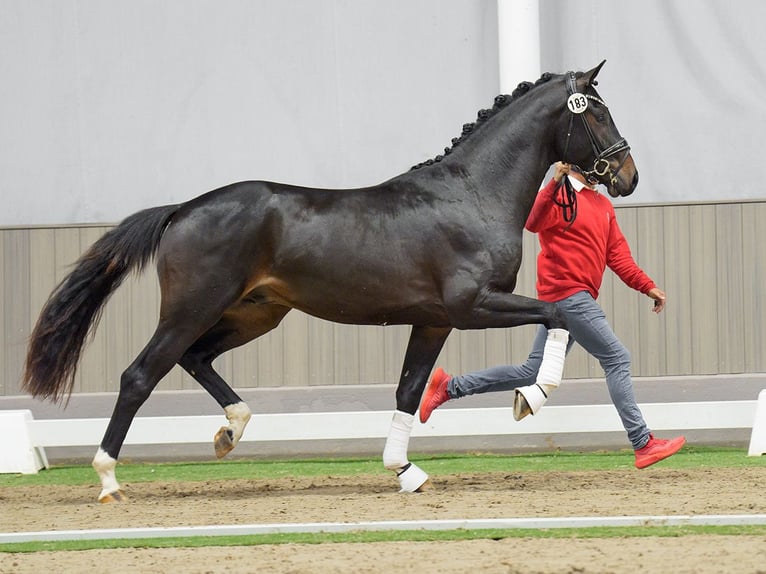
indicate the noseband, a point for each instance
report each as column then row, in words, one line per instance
column 601, row 165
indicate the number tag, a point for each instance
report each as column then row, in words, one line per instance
column 577, row 103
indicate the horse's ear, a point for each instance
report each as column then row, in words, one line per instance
column 590, row 76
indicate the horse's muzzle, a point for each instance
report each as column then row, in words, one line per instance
column 625, row 181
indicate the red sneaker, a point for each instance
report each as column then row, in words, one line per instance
column 657, row 449
column 436, row 394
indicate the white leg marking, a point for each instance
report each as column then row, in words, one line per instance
column 104, row 465
column 238, row 416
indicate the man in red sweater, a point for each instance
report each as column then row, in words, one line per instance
column 570, row 268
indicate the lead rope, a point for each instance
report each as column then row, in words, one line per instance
column 567, row 201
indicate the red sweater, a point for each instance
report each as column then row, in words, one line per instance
column 574, row 259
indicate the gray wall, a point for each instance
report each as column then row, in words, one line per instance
column 705, row 256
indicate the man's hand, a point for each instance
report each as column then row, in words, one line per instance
column 560, row 170
column 659, row 299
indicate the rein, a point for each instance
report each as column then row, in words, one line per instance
column 568, row 201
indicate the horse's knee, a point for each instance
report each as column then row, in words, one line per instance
column 410, row 389
column 556, row 319
column 408, row 398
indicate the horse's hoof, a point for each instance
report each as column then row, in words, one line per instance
column 426, row 486
column 521, row 407
column 116, row 496
column 223, row 442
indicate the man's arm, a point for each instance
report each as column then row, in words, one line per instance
column 543, row 215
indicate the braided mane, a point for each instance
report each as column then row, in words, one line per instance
column 500, row 103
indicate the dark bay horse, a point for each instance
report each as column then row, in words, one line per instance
column 437, row 248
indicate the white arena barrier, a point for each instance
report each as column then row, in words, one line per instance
column 758, row 436
column 25, row 454
column 18, row 452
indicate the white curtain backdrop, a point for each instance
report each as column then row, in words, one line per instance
column 108, row 107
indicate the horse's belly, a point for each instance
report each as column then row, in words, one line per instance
column 359, row 303
column 413, row 315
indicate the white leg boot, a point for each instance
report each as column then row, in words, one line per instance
column 530, row 399
column 411, row 478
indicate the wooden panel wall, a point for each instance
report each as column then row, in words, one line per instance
column 707, row 257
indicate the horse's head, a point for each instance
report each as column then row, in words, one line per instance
column 590, row 138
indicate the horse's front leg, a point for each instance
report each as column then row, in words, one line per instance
column 422, row 350
column 500, row 309
column 530, row 399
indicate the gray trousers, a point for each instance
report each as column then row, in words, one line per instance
column 587, row 326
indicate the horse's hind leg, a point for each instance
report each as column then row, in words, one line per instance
column 136, row 384
column 422, row 350
column 237, row 327
column 236, row 410
column 177, row 330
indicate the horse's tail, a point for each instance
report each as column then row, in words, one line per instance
column 74, row 308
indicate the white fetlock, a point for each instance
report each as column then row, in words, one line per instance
column 104, row 466
column 412, row 478
column 238, row 416
column 548, row 377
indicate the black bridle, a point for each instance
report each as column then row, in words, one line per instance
column 601, row 165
